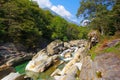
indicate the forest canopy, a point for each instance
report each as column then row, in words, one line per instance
column 22, row 21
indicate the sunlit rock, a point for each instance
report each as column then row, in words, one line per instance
column 13, row 76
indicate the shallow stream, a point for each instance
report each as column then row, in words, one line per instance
column 39, row 76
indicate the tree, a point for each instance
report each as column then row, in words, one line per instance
column 116, row 15
column 90, row 8
column 58, row 28
column 98, row 12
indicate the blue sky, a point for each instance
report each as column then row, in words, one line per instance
column 65, row 8
column 70, row 5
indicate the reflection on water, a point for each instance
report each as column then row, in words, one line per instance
column 39, row 76
column 21, row 67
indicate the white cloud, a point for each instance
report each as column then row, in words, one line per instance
column 44, row 3
column 59, row 9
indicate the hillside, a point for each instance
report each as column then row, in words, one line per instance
column 24, row 22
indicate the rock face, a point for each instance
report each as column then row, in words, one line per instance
column 88, row 71
column 109, row 66
column 104, row 67
column 78, row 64
column 13, row 53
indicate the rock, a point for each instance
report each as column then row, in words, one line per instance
column 108, row 66
column 68, row 55
column 54, row 47
column 93, row 38
column 56, row 72
column 55, row 58
column 104, row 67
column 77, row 42
column 66, row 45
column 77, row 57
column 13, row 76
column 70, row 74
column 19, row 59
column 5, row 70
column 13, row 54
column 110, row 44
column 88, row 71
column 41, row 61
column 79, row 65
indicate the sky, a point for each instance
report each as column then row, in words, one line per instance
column 65, row 8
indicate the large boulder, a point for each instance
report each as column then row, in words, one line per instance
column 55, row 47
column 41, row 61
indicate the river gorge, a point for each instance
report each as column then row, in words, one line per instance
column 66, row 61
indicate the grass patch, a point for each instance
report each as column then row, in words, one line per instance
column 101, row 47
column 93, row 55
column 115, row 49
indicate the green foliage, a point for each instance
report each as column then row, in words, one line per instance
column 89, row 8
column 58, row 27
column 22, row 21
column 93, row 55
column 106, row 21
